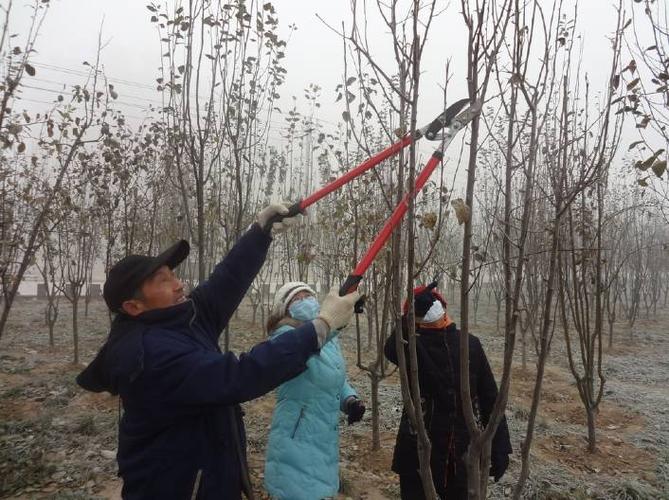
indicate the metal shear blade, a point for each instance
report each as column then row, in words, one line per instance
column 449, row 118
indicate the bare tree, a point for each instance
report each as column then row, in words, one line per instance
column 483, row 43
column 64, row 132
column 220, row 74
column 580, row 272
column 76, row 243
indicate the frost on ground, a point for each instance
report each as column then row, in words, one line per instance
column 56, row 441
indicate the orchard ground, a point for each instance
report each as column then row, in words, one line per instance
column 59, row 442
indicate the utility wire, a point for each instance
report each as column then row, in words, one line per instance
column 131, row 83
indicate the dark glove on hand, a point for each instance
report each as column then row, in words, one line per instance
column 423, row 301
column 355, row 410
column 498, row 466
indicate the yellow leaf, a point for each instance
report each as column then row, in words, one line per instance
column 462, row 211
column 429, row 220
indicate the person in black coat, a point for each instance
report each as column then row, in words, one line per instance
column 182, row 434
column 437, row 346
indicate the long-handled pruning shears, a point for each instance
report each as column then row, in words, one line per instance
column 451, row 121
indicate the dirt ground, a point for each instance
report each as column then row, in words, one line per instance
column 59, row 442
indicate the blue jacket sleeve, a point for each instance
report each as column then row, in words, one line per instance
column 180, row 374
column 217, row 298
column 347, row 389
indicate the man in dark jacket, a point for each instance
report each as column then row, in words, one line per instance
column 437, row 349
column 182, row 434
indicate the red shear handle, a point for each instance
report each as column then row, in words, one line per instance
column 396, row 217
column 300, row 206
column 360, row 169
column 353, row 280
column 350, row 285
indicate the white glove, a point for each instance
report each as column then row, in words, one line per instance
column 336, row 311
column 270, row 211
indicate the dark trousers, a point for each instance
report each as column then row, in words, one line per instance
column 411, row 487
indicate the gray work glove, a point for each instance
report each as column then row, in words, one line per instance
column 271, row 210
column 336, row 311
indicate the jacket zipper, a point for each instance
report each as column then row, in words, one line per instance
column 297, row 424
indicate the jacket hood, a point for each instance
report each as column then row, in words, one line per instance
column 121, row 358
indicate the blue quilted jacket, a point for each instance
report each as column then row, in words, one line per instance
column 302, row 459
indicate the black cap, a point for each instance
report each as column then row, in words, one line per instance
column 128, row 274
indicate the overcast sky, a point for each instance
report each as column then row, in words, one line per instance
column 314, row 54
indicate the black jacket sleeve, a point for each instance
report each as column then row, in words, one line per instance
column 218, row 297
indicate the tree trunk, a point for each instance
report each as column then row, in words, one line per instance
column 592, row 436
column 51, row 317
column 526, row 444
column 75, row 328
column 541, row 362
column 473, row 461
column 376, row 439
column 523, row 352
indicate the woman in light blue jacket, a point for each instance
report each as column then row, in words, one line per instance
column 302, row 460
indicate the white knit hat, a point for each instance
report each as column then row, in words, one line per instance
column 285, row 294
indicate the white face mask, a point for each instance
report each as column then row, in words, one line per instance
column 435, row 313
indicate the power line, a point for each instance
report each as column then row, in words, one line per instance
column 279, row 124
column 130, row 83
column 78, row 72
column 128, row 96
column 422, row 148
column 60, row 93
column 134, row 84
